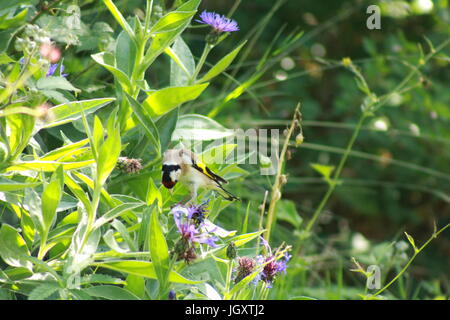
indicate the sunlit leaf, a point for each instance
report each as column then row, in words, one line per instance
column 13, row 248
column 162, row 101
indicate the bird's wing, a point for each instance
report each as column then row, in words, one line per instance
column 200, row 166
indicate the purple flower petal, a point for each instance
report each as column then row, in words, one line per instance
column 217, row 22
column 51, row 69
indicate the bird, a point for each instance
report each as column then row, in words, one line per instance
column 182, row 165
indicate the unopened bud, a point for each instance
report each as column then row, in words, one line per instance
column 346, row 62
column 299, row 139
column 264, row 161
column 277, row 195
column 231, row 251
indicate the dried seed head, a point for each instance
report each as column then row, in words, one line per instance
column 129, row 166
column 246, row 267
column 283, row 179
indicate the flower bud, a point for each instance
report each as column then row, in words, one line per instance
column 264, row 161
column 172, row 295
column 299, row 139
column 231, row 251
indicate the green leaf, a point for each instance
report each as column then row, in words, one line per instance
column 153, row 194
column 58, row 153
column 51, row 197
column 136, row 285
column 43, row 291
column 70, row 111
column 97, row 135
column 159, row 251
column 161, row 41
column 13, row 248
column 17, row 20
column 144, row 269
column 100, row 278
column 146, row 121
column 11, row 185
column 107, row 61
column 198, row 127
column 324, row 170
column 238, row 241
column 20, row 131
column 119, row 18
column 4, row 58
column 125, row 53
column 222, row 65
column 49, row 83
column 171, row 21
column 110, row 293
column 164, row 100
column 116, row 212
column 287, row 211
column 182, row 64
column 411, row 241
column 48, row 166
column 111, row 242
column 217, row 154
column 108, row 154
column 166, row 125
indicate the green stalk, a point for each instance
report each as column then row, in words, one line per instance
column 201, row 62
column 334, row 181
column 416, row 252
column 229, row 272
column 276, row 188
column 42, row 246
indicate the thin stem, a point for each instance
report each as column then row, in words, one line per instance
column 148, row 14
column 201, row 62
column 416, row 252
column 229, row 272
column 276, row 188
column 334, row 181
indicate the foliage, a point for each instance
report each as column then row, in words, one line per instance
column 83, row 130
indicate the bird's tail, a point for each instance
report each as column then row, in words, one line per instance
column 227, row 195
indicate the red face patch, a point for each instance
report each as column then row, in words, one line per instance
column 168, row 184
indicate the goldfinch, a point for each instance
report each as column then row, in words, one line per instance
column 184, row 166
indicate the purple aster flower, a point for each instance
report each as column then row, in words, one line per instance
column 52, row 69
column 245, row 268
column 272, row 266
column 188, row 230
column 61, row 70
column 218, row 22
column 172, row 295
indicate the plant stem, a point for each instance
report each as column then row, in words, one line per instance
column 333, row 183
column 229, row 272
column 416, row 252
column 276, row 188
column 201, row 62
